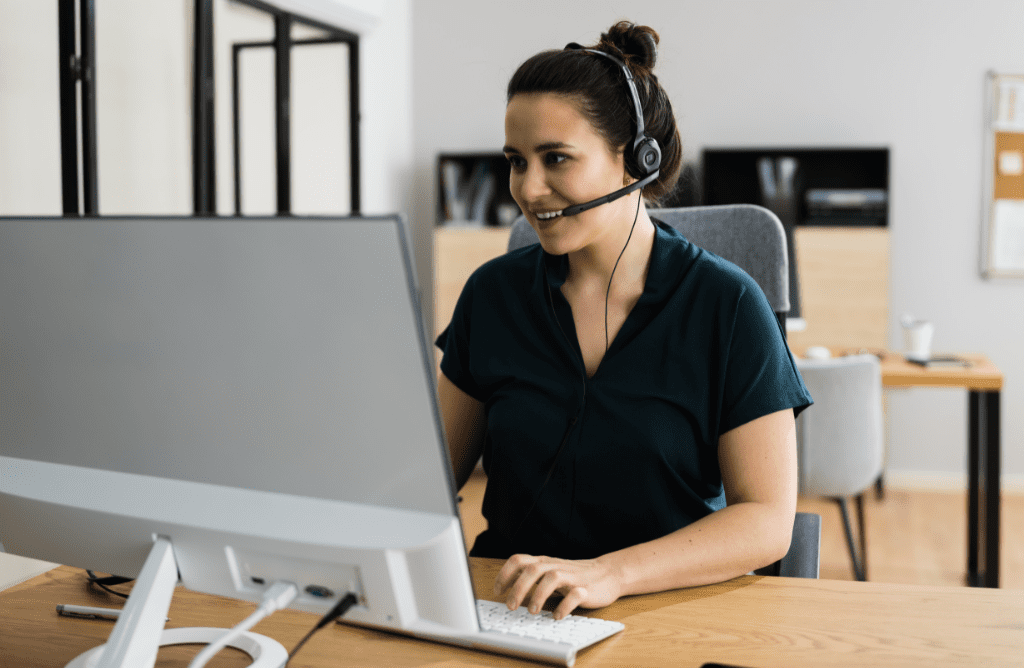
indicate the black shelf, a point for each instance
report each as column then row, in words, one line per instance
column 730, row 176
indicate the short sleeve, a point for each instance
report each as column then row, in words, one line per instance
column 761, row 375
column 454, row 343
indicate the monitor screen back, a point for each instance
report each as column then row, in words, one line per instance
column 283, row 355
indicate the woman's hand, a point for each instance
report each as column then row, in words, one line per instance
column 587, row 583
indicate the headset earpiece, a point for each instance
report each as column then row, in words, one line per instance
column 648, row 156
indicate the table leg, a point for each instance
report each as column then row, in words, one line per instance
column 983, row 490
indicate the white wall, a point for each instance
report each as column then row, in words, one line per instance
column 144, row 99
column 907, row 74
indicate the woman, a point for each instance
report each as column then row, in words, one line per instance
column 632, row 396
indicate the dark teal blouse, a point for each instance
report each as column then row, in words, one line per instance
column 578, row 467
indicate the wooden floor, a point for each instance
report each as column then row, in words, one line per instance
column 914, row 537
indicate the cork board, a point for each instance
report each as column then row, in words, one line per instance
column 1003, row 208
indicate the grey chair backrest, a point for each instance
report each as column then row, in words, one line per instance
column 839, row 438
column 803, row 559
column 747, row 235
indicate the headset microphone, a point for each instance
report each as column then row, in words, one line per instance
column 586, row 206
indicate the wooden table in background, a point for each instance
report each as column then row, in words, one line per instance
column 749, row 621
column 983, row 382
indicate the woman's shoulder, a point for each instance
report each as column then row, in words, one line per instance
column 697, row 267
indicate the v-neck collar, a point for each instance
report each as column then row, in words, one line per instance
column 658, row 286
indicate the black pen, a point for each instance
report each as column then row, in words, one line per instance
column 86, row 612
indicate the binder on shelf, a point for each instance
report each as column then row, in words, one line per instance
column 473, row 191
column 453, row 190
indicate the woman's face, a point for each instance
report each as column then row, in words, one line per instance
column 559, row 159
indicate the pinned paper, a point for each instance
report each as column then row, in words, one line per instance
column 1011, row 163
column 1008, row 235
column 1009, row 106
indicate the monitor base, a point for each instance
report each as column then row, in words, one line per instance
column 139, row 633
column 265, row 652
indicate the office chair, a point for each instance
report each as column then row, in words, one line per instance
column 802, row 560
column 839, row 438
column 747, row 235
column 752, row 238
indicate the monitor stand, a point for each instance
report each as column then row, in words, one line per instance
column 139, row 633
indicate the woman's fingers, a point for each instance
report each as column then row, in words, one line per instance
column 552, row 581
column 531, row 581
column 530, row 573
column 509, row 573
column 574, row 599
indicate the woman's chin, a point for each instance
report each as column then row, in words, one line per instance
column 553, row 237
column 555, row 245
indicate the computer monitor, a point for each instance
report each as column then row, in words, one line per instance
column 232, row 401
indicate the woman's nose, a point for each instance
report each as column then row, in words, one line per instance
column 533, row 183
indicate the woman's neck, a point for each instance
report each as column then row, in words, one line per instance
column 596, row 262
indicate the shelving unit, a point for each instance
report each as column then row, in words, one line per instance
column 842, row 263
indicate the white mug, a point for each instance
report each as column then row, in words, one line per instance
column 918, row 336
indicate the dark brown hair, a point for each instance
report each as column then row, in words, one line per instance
column 598, row 87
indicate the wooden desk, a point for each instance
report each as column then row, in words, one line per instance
column 983, row 382
column 749, row 621
column 982, row 375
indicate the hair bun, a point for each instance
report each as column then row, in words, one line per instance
column 638, row 45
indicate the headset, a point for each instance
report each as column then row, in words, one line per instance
column 645, row 150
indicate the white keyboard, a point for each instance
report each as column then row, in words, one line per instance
column 572, row 632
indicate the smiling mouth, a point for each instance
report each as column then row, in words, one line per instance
column 548, row 215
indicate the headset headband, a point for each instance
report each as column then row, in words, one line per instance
column 638, row 110
column 646, row 152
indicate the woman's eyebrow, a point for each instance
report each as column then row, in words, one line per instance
column 539, row 148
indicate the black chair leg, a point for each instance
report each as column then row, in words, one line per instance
column 863, row 536
column 858, row 572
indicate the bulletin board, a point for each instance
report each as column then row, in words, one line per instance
column 1003, row 215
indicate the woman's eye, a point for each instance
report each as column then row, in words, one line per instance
column 555, row 158
column 517, row 162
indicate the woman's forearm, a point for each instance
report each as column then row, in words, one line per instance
column 759, row 473
column 727, row 543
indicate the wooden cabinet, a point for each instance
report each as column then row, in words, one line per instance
column 844, row 287
column 457, row 253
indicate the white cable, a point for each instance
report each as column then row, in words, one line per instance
column 278, row 596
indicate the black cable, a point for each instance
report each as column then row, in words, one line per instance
column 608, row 293
column 105, row 582
column 337, row 611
